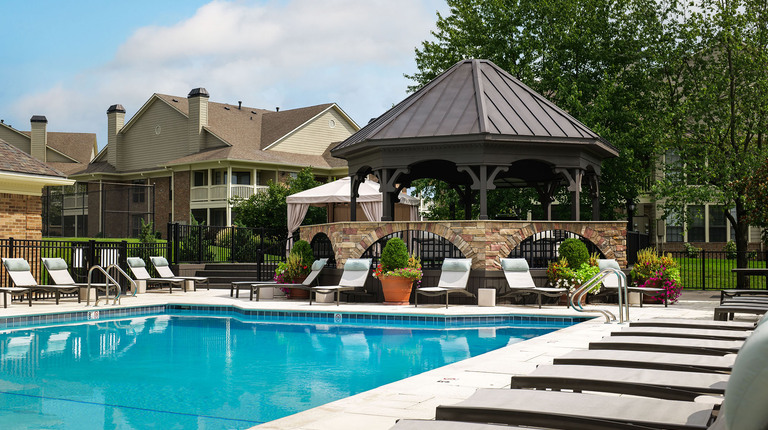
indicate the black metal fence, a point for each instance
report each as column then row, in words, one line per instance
column 429, row 247
column 541, row 249
column 79, row 255
column 711, row 270
column 635, row 242
column 210, row 244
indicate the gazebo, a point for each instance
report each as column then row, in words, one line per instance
column 477, row 128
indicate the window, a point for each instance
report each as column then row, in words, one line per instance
column 241, row 178
column 674, row 229
column 219, row 177
column 718, row 226
column 696, row 231
column 218, row 217
column 139, row 192
column 200, row 178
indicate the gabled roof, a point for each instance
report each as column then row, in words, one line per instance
column 14, row 160
column 476, row 97
column 78, row 147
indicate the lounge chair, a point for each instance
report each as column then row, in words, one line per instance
column 660, row 384
column 24, row 282
column 58, row 270
column 727, row 311
column 447, row 425
column 728, row 294
column 256, row 286
column 520, row 282
column 164, row 270
column 743, row 406
column 356, row 271
column 611, row 283
column 649, row 360
column 139, row 269
column 692, row 323
column 693, row 333
column 454, row 275
column 679, row 345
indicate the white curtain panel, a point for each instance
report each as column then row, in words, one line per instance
column 296, row 214
column 372, row 210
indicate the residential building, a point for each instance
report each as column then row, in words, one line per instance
column 63, row 208
column 22, row 179
column 184, row 157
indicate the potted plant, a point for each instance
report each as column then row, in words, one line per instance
column 397, row 271
column 295, row 269
column 574, row 268
column 657, row 271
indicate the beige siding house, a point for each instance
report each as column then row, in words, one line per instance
column 198, row 154
column 64, row 210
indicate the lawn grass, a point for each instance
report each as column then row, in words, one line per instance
column 717, row 273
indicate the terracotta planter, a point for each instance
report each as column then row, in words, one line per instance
column 296, row 293
column 396, row 289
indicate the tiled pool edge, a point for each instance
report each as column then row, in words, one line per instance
column 319, row 316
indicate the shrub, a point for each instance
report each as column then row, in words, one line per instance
column 730, row 250
column 224, row 238
column 303, row 250
column 575, row 251
column 657, row 271
column 691, row 251
column 395, row 255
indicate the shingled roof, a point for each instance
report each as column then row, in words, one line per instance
column 15, row 160
column 477, row 97
column 247, row 131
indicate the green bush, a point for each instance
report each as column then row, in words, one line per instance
column 224, row 238
column 304, row 250
column 691, row 251
column 395, row 255
column 575, row 252
column 730, row 250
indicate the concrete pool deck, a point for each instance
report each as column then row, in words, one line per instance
column 418, row 396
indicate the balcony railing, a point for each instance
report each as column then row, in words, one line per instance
column 219, row 192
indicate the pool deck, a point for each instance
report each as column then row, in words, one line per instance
column 418, row 396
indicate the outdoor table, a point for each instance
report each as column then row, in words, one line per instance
column 746, row 271
column 752, row 271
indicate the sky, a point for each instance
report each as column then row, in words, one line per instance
column 71, row 60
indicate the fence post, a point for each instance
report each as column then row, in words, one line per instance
column 90, row 261
column 232, row 231
column 199, row 244
column 703, row 269
column 11, row 248
column 122, row 255
column 260, row 252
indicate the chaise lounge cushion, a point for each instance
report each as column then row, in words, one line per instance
column 319, row 264
column 16, row 265
column 357, row 264
column 456, row 265
column 55, row 264
column 514, row 265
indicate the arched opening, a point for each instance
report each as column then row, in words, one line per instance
column 542, row 248
column 323, row 248
column 431, row 248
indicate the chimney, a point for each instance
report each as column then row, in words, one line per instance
column 38, row 137
column 198, row 118
column 239, row 105
column 115, row 122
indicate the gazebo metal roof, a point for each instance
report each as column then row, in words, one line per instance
column 478, row 127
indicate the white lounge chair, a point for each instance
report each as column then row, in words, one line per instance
column 454, row 275
column 164, row 270
column 520, row 282
column 24, row 282
column 58, row 270
column 139, row 269
column 356, row 271
column 317, row 267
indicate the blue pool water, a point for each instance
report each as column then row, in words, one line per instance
column 191, row 372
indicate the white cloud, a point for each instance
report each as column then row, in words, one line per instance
column 280, row 53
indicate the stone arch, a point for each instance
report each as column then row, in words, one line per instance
column 510, row 242
column 435, row 228
column 320, row 241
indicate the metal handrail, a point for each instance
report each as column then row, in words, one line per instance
column 134, row 286
column 591, row 283
column 106, row 286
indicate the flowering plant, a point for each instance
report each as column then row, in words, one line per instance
column 291, row 270
column 560, row 275
column 411, row 270
column 657, row 271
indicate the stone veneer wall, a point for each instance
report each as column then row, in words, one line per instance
column 483, row 241
column 20, row 216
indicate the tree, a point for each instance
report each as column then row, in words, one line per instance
column 718, row 104
column 592, row 58
column 268, row 208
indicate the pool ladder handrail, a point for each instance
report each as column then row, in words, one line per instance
column 109, row 279
column 134, row 286
column 582, row 291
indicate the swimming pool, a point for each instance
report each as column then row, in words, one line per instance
column 194, row 368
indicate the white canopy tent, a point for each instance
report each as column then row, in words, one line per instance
column 370, row 200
